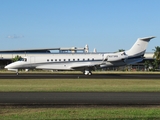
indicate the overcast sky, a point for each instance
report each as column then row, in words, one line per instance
column 107, row 25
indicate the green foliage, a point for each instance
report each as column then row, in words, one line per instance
column 16, row 58
column 121, row 50
column 80, row 85
column 156, row 55
column 147, row 64
column 81, row 113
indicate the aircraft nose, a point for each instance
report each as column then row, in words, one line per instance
column 10, row 66
column 14, row 65
column 6, row 67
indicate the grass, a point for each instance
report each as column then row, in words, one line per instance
column 78, row 113
column 79, row 85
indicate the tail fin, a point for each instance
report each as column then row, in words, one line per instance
column 139, row 46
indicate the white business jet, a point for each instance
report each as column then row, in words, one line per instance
column 85, row 62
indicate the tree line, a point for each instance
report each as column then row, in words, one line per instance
column 154, row 65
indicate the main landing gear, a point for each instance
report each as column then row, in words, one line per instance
column 87, row 72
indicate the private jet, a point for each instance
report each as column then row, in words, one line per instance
column 85, row 62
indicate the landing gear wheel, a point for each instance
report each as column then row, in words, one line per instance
column 17, row 73
column 86, row 72
column 89, row 73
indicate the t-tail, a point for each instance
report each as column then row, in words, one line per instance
column 139, row 47
column 137, row 51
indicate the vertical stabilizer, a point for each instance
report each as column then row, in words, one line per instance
column 139, row 46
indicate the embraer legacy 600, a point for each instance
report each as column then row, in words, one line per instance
column 85, row 62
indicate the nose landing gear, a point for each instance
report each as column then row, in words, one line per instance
column 17, row 73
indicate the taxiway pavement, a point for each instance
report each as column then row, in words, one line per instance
column 79, row 76
column 80, row 98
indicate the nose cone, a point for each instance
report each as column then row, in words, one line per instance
column 10, row 66
column 7, row 66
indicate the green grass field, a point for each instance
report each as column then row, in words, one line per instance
column 79, row 85
column 79, row 113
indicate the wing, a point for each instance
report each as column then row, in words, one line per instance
column 86, row 65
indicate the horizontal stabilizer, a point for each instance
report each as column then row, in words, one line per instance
column 147, row 38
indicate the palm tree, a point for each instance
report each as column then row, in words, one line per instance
column 156, row 56
column 157, row 53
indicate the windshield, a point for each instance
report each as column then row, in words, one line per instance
column 23, row 59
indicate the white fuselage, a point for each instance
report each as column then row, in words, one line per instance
column 71, row 61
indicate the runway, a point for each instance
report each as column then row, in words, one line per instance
column 79, row 76
column 79, row 98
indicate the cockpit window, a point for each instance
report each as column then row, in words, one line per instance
column 23, row 59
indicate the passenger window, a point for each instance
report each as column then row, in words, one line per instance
column 47, row 59
column 55, row 59
column 68, row 59
column 59, row 59
column 51, row 59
